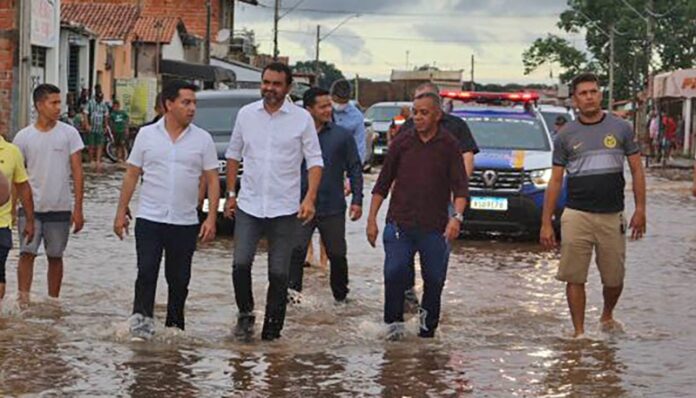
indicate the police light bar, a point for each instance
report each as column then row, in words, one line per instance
column 483, row 96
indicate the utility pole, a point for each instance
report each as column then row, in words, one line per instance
column 24, row 64
column 320, row 38
column 357, row 88
column 473, row 85
column 611, row 68
column 276, row 17
column 317, row 73
column 232, row 6
column 407, row 54
column 207, row 32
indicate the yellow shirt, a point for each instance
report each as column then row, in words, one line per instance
column 12, row 166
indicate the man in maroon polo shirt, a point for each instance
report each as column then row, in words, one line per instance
column 424, row 170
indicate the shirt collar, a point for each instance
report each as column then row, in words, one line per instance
column 163, row 130
column 285, row 108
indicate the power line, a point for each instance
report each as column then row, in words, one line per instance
column 406, row 14
column 411, row 39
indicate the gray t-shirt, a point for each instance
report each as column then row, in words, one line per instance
column 47, row 155
column 593, row 156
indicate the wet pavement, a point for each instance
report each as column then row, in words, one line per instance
column 503, row 332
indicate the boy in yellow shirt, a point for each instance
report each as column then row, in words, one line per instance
column 12, row 168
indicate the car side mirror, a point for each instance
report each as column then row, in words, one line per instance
column 368, row 123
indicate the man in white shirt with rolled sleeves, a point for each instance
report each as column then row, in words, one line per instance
column 273, row 136
column 171, row 155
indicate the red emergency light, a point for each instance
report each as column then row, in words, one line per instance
column 483, row 96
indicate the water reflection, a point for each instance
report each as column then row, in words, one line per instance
column 164, row 372
column 584, row 368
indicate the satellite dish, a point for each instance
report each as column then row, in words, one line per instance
column 222, row 36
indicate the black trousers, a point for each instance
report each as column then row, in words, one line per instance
column 178, row 242
column 332, row 230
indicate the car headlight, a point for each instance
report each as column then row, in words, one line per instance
column 540, row 178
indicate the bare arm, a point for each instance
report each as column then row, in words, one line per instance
column 24, row 194
column 5, row 190
column 231, row 202
column 79, row 188
column 372, row 228
column 553, row 191
column 638, row 221
column 130, row 180
column 207, row 232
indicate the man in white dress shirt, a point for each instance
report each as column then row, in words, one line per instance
column 171, row 155
column 273, row 136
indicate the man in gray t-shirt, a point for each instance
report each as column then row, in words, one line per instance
column 592, row 151
column 53, row 153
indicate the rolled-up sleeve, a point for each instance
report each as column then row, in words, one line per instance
column 137, row 153
column 234, row 148
column 310, row 145
column 459, row 182
column 210, row 160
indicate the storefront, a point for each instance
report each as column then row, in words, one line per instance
column 674, row 93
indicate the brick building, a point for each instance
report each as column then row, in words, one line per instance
column 9, row 17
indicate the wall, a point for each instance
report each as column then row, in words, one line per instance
column 8, row 52
column 174, row 50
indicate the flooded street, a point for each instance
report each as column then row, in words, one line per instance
column 503, row 330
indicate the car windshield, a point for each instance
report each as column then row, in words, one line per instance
column 217, row 117
column 550, row 117
column 508, row 133
column 382, row 113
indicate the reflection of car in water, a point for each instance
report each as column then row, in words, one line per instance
column 379, row 116
column 216, row 112
column 513, row 169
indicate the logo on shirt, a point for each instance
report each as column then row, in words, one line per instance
column 577, row 146
column 610, row 141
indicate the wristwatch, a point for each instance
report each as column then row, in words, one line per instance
column 459, row 217
column 231, row 194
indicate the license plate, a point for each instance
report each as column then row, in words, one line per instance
column 206, row 206
column 489, row 203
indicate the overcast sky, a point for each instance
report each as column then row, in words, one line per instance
column 444, row 33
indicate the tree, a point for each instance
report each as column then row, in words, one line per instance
column 329, row 72
column 554, row 50
column 674, row 40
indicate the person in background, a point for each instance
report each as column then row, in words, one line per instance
column 558, row 125
column 98, row 113
column 397, row 122
column 119, row 127
column 348, row 116
column 53, row 154
column 340, row 156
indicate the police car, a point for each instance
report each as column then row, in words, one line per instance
column 513, row 167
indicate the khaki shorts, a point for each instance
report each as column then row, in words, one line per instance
column 583, row 232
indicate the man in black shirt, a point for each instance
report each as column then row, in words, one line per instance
column 457, row 127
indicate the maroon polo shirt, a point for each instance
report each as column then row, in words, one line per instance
column 425, row 176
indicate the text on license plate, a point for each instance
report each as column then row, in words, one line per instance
column 489, row 203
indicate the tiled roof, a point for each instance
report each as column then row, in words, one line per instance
column 156, row 29
column 110, row 21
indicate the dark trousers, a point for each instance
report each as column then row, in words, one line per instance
column 399, row 246
column 178, row 244
column 281, row 235
column 332, row 230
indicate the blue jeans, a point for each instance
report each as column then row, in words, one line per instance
column 400, row 245
column 412, row 266
column 281, row 234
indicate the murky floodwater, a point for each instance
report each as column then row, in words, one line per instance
column 503, row 331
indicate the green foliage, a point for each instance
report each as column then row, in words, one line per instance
column 673, row 37
column 329, row 72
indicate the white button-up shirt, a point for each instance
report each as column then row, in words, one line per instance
column 171, row 172
column 273, row 147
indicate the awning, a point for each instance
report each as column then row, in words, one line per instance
column 679, row 84
column 186, row 70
